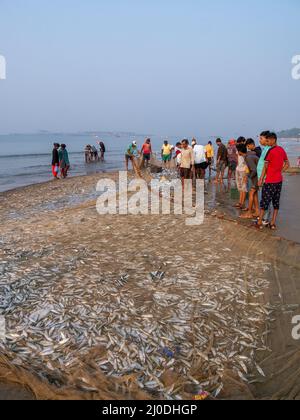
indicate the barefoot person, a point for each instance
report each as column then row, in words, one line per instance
column 260, row 167
column 210, row 153
column 132, row 155
column 222, row 161
column 146, row 153
column 232, row 160
column 55, row 160
column 166, row 154
column 252, row 162
column 271, row 180
column 187, row 161
column 102, row 151
column 64, row 161
column 242, row 172
column 201, row 163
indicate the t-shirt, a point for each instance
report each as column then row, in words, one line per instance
column 258, row 151
column 222, row 153
column 261, row 163
column 132, row 151
column 187, row 158
column 166, row 149
column 199, row 153
column 252, row 161
column 232, row 153
column 276, row 157
column 210, row 151
column 242, row 166
column 147, row 149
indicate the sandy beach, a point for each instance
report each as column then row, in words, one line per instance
column 165, row 283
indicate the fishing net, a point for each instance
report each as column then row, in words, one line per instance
column 241, row 251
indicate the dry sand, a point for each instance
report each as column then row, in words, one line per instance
column 62, row 215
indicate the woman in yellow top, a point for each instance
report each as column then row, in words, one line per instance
column 210, row 155
column 166, row 153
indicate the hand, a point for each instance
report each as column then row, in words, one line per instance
column 260, row 183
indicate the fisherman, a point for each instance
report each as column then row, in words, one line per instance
column 55, row 160
column 95, row 154
column 102, row 151
column 131, row 155
column 222, row 161
column 201, row 161
column 166, row 153
column 276, row 162
column 88, row 153
column 187, row 165
column 232, row 160
column 210, row 154
column 146, row 153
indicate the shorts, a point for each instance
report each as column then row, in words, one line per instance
column 242, row 184
column 202, row 166
column 166, row 158
column 222, row 166
column 128, row 157
column 232, row 165
column 254, row 183
column 271, row 193
column 146, row 157
column 185, row 173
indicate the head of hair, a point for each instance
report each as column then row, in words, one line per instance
column 241, row 140
column 210, row 143
column 219, row 141
column 264, row 133
column 242, row 149
column 271, row 136
column 250, row 142
column 63, row 146
column 56, row 145
column 178, row 144
column 185, row 141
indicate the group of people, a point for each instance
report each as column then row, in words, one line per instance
column 60, row 161
column 257, row 170
column 93, row 155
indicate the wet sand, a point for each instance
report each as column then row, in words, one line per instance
column 66, row 218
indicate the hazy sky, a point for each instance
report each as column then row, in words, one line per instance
column 211, row 67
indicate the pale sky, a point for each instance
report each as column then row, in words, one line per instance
column 172, row 67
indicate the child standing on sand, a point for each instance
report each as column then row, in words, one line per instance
column 252, row 162
column 242, row 172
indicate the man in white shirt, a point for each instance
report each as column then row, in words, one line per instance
column 201, row 161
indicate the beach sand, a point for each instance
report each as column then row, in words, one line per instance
column 42, row 226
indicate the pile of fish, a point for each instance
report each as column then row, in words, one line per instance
column 193, row 325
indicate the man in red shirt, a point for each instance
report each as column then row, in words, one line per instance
column 271, row 180
column 146, row 153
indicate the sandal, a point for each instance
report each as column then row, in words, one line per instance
column 258, row 226
column 273, row 227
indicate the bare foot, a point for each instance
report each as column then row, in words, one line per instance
column 246, row 216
